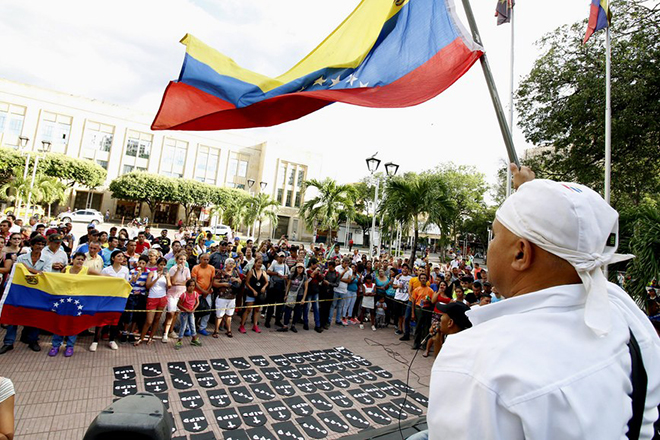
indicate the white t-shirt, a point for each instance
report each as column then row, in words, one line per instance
column 402, row 292
column 159, row 288
column 281, row 269
column 343, row 287
column 122, row 273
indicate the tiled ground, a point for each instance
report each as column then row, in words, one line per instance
column 57, row 398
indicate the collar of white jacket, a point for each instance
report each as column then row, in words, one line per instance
column 574, row 223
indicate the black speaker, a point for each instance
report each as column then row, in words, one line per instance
column 141, row 416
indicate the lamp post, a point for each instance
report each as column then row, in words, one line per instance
column 263, row 185
column 250, row 184
column 45, row 148
column 372, row 165
column 23, row 145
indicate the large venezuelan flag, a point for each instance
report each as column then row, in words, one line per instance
column 61, row 303
column 387, row 53
column 599, row 17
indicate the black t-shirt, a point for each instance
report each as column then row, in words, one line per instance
column 471, row 298
column 164, row 243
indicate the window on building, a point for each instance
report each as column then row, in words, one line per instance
column 240, row 186
column 103, row 163
column 280, row 193
column 281, row 175
column 289, row 196
column 97, row 137
column 127, row 169
column 138, row 144
column 11, row 123
column 55, row 129
column 292, row 174
column 301, row 177
column 173, row 158
column 206, row 168
column 298, row 199
column 242, row 168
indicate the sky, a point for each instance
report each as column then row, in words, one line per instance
column 125, row 52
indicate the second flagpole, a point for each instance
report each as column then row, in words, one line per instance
column 511, row 70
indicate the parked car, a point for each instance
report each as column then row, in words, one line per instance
column 82, row 216
column 221, row 230
column 36, row 210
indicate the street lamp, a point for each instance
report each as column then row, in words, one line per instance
column 263, row 185
column 45, row 148
column 373, row 163
column 391, row 169
column 250, row 183
column 23, row 146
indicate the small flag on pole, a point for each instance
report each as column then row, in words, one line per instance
column 599, row 17
column 503, row 11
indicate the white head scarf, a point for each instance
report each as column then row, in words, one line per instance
column 574, row 223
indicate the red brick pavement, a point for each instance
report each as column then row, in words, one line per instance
column 57, row 398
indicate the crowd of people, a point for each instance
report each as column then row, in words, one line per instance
column 194, row 283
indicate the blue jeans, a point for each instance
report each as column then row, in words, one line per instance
column 422, row 435
column 10, row 337
column 337, row 304
column 204, row 322
column 406, row 319
column 315, row 309
column 70, row 341
column 349, row 304
column 187, row 320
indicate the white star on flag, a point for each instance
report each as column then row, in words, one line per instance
column 76, row 302
column 69, row 300
column 56, row 304
column 351, row 79
column 80, row 307
column 335, row 81
column 320, row 81
column 62, row 300
column 79, row 313
column 364, row 84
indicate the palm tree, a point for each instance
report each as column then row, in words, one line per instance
column 259, row 208
column 49, row 190
column 16, row 186
column 323, row 210
column 417, row 201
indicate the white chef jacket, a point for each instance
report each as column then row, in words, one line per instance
column 530, row 368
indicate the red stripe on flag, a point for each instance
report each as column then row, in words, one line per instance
column 187, row 108
column 54, row 323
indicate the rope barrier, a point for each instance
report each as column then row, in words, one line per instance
column 287, row 303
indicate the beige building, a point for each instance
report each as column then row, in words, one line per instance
column 119, row 139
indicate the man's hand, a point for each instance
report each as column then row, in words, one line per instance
column 520, row 176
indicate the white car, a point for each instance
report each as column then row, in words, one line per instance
column 221, row 230
column 82, row 216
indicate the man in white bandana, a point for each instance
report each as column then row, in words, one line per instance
column 553, row 361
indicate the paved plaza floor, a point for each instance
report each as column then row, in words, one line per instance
column 57, row 397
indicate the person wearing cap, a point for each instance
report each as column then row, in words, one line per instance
column 54, row 251
column 296, row 290
column 278, row 273
column 560, row 348
column 86, row 238
column 92, row 235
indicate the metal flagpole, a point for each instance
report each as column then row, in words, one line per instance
column 608, row 118
column 504, row 128
column 508, row 170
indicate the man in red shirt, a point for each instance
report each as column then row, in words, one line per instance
column 142, row 244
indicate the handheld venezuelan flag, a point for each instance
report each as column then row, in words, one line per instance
column 599, row 17
column 63, row 304
column 387, row 53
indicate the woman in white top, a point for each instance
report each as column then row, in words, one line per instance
column 179, row 275
column 115, row 270
column 158, row 282
column 6, row 409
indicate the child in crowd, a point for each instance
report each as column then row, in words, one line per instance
column 137, row 300
column 381, row 309
column 188, row 302
column 368, row 302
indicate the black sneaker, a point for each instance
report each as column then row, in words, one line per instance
column 267, row 324
column 305, row 327
column 398, row 332
column 293, row 329
column 318, row 329
column 278, row 324
column 404, row 338
column 131, row 338
column 123, row 337
column 34, row 346
column 5, row 348
column 326, row 326
column 282, row 329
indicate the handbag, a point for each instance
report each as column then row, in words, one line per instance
column 292, row 297
column 203, row 308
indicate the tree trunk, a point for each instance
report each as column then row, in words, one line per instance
column 259, row 233
column 49, row 209
column 414, row 246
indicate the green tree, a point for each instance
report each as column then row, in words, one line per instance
column 561, row 104
column 143, row 187
column 49, row 190
column 73, row 171
column 259, row 208
column 191, row 194
column 322, row 211
column 418, row 201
